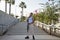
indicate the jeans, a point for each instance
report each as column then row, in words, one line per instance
column 30, row 29
column 27, row 27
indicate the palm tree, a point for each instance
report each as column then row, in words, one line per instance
column 6, row 6
column 10, row 2
column 22, row 5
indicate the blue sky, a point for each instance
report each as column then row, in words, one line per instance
column 32, row 5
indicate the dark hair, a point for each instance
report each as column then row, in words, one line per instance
column 31, row 13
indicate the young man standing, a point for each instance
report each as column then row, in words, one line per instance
column 30, row 22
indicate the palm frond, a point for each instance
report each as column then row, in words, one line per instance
column 22, row 5
column 13, row 1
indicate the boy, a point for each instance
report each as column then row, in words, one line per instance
column 30, row 21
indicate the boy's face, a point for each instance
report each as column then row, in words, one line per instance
column 31, row 14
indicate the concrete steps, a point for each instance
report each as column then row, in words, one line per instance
column 22, row 37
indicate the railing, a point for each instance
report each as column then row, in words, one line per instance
column 14, row 22
column 51, row 29
column 4, row 28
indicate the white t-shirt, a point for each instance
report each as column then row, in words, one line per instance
column 30, row 20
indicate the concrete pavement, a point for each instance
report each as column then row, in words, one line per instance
column 22, row 37
column 18, row 32
column 21, row 29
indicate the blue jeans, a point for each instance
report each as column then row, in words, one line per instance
column 27, row 27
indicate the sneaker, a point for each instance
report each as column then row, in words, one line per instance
column 27, row 37
column 33, row 37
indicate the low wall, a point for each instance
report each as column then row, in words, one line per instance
column 6, row 21
column 50, row 29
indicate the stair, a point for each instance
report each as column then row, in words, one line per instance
column 22, row 37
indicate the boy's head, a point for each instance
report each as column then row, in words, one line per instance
column 31, row 14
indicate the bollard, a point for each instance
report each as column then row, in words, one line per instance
column 54, row 30
column 50, row 30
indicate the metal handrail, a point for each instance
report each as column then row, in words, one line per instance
column 7, row 27
column 12, row 23
column 3, row 25
column 2, row 28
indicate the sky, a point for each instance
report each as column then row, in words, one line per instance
column 32, row 5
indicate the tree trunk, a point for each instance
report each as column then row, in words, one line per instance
column 22, row 14
column 10, row 7
column 5, row 6
column 22, row 11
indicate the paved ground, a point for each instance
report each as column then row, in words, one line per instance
column 18, row 32
column 20, row 29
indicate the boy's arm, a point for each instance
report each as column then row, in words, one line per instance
column 33, row 20
column 27, row 19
